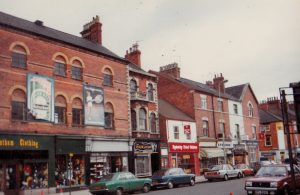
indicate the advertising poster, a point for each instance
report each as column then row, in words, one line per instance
column 40, row 97
column 93, row 105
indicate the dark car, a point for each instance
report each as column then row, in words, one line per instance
column 272, row 179
column 120, row 182
column 172, row 177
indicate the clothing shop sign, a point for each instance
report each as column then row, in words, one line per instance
column 183, row 147
column 16, row 142
column 145, row 147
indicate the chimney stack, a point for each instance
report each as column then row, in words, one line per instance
column 218, row 83
column 171, row 69
column 93, row 31
column 134, row 55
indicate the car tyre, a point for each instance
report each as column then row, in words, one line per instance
column 225, row 177
column 146, row 188
column 192, row 182
column 119, row 191
column 240, row 175
column 170, row 185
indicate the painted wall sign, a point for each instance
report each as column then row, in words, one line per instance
column 145, row 147
column 183, row 147
column 40, row 97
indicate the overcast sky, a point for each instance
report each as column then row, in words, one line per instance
column 249, row 41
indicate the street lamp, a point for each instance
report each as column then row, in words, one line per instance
column 223, row 124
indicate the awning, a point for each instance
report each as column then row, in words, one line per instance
column 210, row 153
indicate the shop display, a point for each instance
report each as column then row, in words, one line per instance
column 34, row 175
column 99, row 166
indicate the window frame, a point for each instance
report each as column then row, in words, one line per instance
column 268, row 138
column 143, row 120
column 21, row 115
column 19, row 60
column 133, row 120
column 220, row 106
column 76, row 76
column 150, row 92
column 81, row 116
column 153, row 127
column 203, row 100
column 235, row 109
column 60, row 67
column 62, row 120
column 176, row 132
column 107, row 78
column 205, row 122
column 250, row 109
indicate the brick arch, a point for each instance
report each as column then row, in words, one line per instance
column 55, row 55
column 18, row 43
column 79, row 59
column 64, row 95
column 113, row 106
column 76, row 96
column 13, row 88
column 109, row 68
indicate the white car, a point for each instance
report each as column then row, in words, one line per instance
column 223, row 171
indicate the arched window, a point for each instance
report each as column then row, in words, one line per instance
column 142, row 119
column 133, row 86
column 150, row 92
column 133, row 120
column 77, row 112
column 19, row 57
column 107, row 77
column 18, row 105
column 153, row 122
column 250, row 110
column 109, row 116
column 60, row 66
column 76, row 70
column 60, row 109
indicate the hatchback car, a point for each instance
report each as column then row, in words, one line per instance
column 223, row 171
column 172, row 177
column 120, row 182
column 272, row 179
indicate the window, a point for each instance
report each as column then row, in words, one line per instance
column 77, row 112
column 76, row 70
column 268, row 140
column 252, row 151
column 176, row 132
column 205, row 128
column 142, row 120
column 18, row 105
column 220, row 105
column 19, row 57
column 254, row 132
column 222, row 128
column 60, row 66
column 188, row 136
column 142, row 165
column 235, row 108
column 237, row 130
column 60, row 109
column 250, row 110
column 150, row 92
column 107, row 77
column 153, row 123
column 133, row 86
column 203, row 101
column 133, row 120
column 109, row 116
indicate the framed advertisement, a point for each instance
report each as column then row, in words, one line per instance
column 40, row 97
column 93, row 105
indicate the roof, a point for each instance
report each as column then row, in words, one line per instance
column 19, row 24
column 171, row 112
column 268, row 117
column 236, row 91
column 136, row 68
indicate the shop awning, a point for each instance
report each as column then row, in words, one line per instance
column 211, row 152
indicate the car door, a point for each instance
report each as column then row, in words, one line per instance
column 230, row 170
column 133, row 182
column 184, row 178
column 123, row 182
column 173, row 175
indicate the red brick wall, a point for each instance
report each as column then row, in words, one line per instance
column 40, row 61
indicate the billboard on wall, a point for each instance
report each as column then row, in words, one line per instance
column 40, row 97
column 93, row 105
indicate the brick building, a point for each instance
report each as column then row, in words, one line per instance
column 63, row 100
column 144, row 116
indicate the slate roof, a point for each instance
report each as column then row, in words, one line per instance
column 268, row 117
column 136, row 68
column 19, row 24
column 171, row 112
column 236, row 91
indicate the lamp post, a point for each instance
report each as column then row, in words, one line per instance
column 223, row 124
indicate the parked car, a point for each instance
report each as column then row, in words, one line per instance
column 259, row 164
column 120, row 182
column 246, row 170
column 272, row 179
column 223, row 171
column 172, row 177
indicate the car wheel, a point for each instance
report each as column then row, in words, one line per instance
column 192, row 182
column 239, row 175
column 119, row 191
column 170, row 185
column 225, row 177
column 146, row 188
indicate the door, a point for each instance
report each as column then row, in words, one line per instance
column 11, row 178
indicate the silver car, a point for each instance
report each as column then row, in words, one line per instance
column 223, row 171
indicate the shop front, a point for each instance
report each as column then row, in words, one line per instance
column 252, row 148
column 26, row 163
column 146, row 157
column 239, row 154
column 185, row 156
column 106, row 156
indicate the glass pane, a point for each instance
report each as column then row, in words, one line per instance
column 19, row 60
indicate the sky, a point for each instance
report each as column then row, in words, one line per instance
column 248, row 41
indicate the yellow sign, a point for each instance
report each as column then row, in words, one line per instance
column 71, row 154
column 23, row 143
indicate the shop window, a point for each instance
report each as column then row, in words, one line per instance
column 60, row 109
column 153, row 122
column 203, row 101
column 142, row 165
column 60, row 66
column 150, row 91
column 19, row 57
column 250, row 110
column 109, row 116
column 77, row 112
column 76, row 70
column 176, row 132
column 205, row 128
column 107, row 77
column 133, row 120
column 18, row 105
column 142, row 120
column 268, row 140
column 35, row 175
column 133, row 86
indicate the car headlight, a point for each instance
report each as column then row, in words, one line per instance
column 273, row 184
column 248, row 183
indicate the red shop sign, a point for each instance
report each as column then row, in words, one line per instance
column 184, row 147
column 187, row 129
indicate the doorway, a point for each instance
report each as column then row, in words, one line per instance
column 9, row 177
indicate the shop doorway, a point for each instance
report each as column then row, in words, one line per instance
column 9, row 177
column 155, row 162
column 116, row 164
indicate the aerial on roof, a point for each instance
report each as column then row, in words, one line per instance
column 38, row 28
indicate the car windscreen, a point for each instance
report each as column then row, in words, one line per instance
column 107, row 177
column 159, row 173
column 217, row 168
column 272, row 171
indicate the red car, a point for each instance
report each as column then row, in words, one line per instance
column 246, row 170
column 272, row 179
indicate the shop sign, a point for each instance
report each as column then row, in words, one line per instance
column 145, row 147
column 187, row 129
column 268, row 154
column 184, row 147
column 251, row 142
column 225, row 144
column 23, row 143
column 239, row 146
